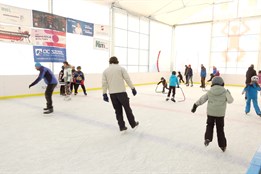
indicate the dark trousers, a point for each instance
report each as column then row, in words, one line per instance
column 48, row 95
column 173, row 90
column 164, row 87
column 72, row 85
column 76, row 86
column 181, row 80
column 219, row 121
column 186, row 78
column 120, row 100
column 203, row 82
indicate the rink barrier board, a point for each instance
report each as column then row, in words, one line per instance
column 57, row 92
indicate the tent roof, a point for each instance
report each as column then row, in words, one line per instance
column 171, row 12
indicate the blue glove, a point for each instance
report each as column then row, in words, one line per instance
column 134, row 92
column 105, row 97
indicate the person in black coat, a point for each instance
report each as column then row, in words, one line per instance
column 250, row 73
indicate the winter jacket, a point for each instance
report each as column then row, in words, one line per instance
column 47, row 75
column 164, row 82
column 203, row 72
column 113, row 79
column 78, row 76
column 61, row 73
column 251, row 90
column 250, row 73
column 173, row 80
column 217, row 98
column 190, row 72
column 67, row 74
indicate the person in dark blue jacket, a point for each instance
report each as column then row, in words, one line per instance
column 173, row 83
column 79, row 80
column 50, row 80
column 203, row 74
column 251, row 91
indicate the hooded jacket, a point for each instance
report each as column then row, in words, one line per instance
column 251, row 90
column 217, row 98
column 173, row 80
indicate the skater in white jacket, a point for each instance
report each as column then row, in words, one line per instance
column 67, row 79
column 113, row 79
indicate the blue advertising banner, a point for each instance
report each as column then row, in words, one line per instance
column 49, row 54
column 79, row 27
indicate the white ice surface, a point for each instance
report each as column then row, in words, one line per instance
column 82, row 136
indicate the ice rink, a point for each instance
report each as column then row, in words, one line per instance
column 82, row 136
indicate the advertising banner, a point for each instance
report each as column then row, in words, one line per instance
column 101, row 44
column 79, row 27
column 15, row 15
column 49, row 38
column 49, row 21
column 15, row 34
column 102, row 30
column 49, row 54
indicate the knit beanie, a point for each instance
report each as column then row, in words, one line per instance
column 217, row 81
column 37, row 64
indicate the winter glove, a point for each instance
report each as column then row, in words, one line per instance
column 194, row 108
column 178, row 86
column 134, row 92
column 105, row 97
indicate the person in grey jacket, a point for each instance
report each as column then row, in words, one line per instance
column 113, row 80
column 217, row 98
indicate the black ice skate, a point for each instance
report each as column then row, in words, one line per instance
column 207, row 141
column 172, row 99
column 136, row 125
column 123, row 129
column 167, row 99
column 223, row 148
column 48, row 111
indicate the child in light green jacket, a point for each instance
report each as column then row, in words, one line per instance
column 217, row 98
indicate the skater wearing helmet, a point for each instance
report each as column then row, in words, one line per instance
column 217, row 98
column 251, row 94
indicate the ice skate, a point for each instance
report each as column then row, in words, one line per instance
column 135, row 126
column 172, row 99
column 123, row 129
column 207, row 141
column 167, row 99
column 223, row 148
column 67, row 98
column 48, row 111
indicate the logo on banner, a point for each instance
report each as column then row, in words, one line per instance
column 49, row 54
column 38, row 52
